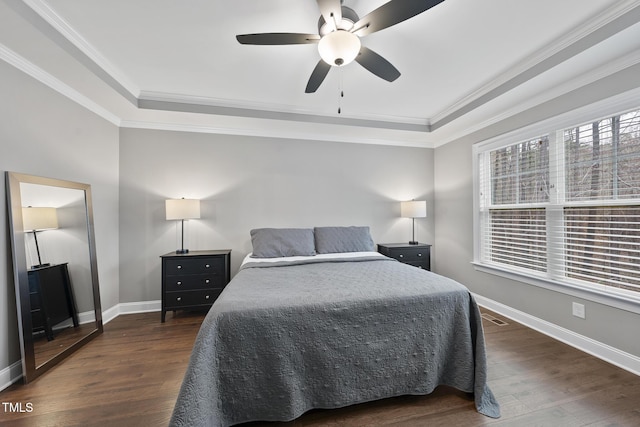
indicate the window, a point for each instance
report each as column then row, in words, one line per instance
column 564, row 206
column 516, row 225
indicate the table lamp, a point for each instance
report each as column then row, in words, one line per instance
column 413, row 209
column 181, row 209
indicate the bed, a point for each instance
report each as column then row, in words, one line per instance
column 309, row 329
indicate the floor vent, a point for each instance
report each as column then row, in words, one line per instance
column 495, row 320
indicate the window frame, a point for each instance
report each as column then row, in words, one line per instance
column 554, row 128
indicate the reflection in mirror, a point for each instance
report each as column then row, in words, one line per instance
column 54, row 267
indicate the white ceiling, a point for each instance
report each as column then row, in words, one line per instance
column 464, row 63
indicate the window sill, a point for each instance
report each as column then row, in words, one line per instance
column 610, row 298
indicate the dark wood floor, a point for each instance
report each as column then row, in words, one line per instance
column 130, row 376
column 44, row 349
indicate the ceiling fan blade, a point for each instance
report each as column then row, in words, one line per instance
column 317, row 76
column 277, row 38
column 377, row 64
column 391, row 13
column 331, row 11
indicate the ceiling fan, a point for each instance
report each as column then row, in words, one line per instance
column 339, row 33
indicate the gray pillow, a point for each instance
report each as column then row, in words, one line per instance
column 343, row 239
column 280, row 242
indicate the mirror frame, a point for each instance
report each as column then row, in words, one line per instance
column 20, row 271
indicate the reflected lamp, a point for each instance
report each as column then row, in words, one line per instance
column 36, row 219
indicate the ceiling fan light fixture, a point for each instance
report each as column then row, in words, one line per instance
column 339, row 47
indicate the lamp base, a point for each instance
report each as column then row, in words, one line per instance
column 413, row 242
column 182, row 251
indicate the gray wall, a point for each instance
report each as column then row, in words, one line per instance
column 454, row 225
column 43, row 133
column 249, row 182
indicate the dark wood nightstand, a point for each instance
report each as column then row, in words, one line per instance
column 417, row 255
column 194, row 279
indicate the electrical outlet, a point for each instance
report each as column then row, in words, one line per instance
column 578, row 310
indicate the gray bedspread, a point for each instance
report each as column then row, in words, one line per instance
column 284, row 339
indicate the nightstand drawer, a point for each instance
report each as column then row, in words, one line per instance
column 409, row 255
column 191, row 298
column 37, row 317
column 35, row 301
column 197, row 265
column 416, row 255
column 195, row 282
column 193, row 279
column 425, row 264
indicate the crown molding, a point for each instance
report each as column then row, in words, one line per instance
column 314, row 133
column 568, row 86
column 209, row 105
column 188, row 103
column 47, row 79
column 615, row 104
column 586, row 35
column 311, row 135
column 59, row 24
column 623, row 14
column 620, row 16
column 32, row 70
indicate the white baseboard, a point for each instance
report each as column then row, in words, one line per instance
column 13, row 373
column 10, row 374
column 111, row 313
column 616, row 357
column 139, row 307
column 130, row 308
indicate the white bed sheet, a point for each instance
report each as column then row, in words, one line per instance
column 337, row 256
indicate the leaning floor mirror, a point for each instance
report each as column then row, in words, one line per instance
column 55, row 269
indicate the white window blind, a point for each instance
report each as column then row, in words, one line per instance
column 602, row 212
column 516, row 183
column 603, row 245
column 518, row 238
column 565, row 206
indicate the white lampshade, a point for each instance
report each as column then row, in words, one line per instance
column 39, row 218
column 339, row 47
column 413, row 209
column 182, row 208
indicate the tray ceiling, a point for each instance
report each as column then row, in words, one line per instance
column 464, row 63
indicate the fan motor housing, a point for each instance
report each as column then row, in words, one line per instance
column 349, row 17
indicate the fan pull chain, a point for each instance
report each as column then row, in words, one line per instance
column 341, row 94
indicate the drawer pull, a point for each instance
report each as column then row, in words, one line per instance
column 179, row 267
column 419, row 254
column 178, row 283
column 401, row 256
column 206, row 297
column 179, row 299
column 207, row 281
column 207, row 266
